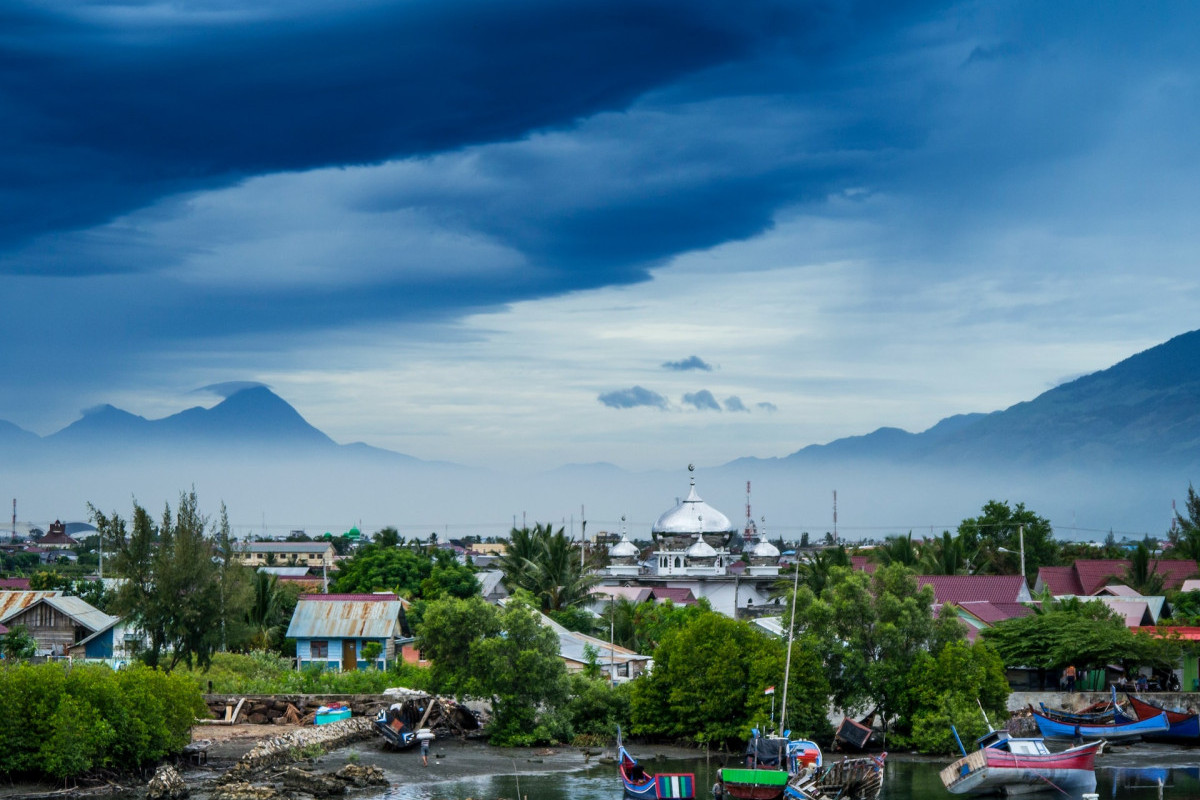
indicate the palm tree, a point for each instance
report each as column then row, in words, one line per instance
column 898, row 550
column 814, row 573
column 1142, row 573
column 547, row 564
column 264, row 613
column 946, row 556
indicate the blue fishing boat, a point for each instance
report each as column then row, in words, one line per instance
column 1113, row 731
column 641, row 785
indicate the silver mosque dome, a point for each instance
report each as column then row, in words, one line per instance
column 692, row 516
column 701, row 549
column 624, row 549
column 765, row 549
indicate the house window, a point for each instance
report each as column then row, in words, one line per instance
column 320, row 649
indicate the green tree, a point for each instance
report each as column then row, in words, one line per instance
column 448, row 629
column 548, row 565
column 942, row 689
column 1143, row 574
column 374, row 568
column 505, row 655
column 1185, row 528
column 867, row 630
column 172, row 585
column 1086, row 634
column 709, row 678
column 265, row 613
column 18, row 643
column 946, row 555
column 388, row 537
column 999, row 526
column 522, row 673
column 898, row 550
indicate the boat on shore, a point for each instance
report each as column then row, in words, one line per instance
column 1006, row 765
column 1184, row 726
column 641, row 785
column 1052, row 728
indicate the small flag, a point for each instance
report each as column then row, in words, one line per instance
column 770, row 690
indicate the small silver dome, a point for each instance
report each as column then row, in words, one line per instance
column 765, row 549
column 701, row 549
column 623, row 549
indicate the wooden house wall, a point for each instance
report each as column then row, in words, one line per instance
column 51, row 629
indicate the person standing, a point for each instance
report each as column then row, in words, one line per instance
column 425, row 752
column 718, row 790
column 1070, row 673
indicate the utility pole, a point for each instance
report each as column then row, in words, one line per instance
column 835, row 536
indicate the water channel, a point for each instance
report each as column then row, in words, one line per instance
column 1145, row 775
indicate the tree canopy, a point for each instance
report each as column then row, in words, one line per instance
column 506, row 655
column 174, row 585
column 999, row 526
column 548, row 565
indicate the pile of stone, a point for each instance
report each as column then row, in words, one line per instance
column 296, row 782
column 292, row 746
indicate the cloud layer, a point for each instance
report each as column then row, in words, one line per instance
column 453, row 227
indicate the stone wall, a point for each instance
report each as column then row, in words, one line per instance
column 266, row 709
column 1078, row 700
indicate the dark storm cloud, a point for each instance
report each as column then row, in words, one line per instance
column 691, row 362
column 702, row 400
column 633, row 398
column 107, row 108
column 734, row 403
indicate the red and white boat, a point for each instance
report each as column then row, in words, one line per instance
column 1008, row 766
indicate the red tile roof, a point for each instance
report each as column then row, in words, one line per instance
column 972, row 588
column 991, row 613
column 863, row 563
column 1060, row 580
column 681, row 596
column 19, row 584
column 1185, row 632
column 1089, row 575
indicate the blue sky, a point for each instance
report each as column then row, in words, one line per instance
column 644, row 232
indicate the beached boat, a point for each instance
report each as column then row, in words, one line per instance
column 1115, row 731
column 641, row 785
column 394, row 731
column 1184, row 726
column 334, row 712
column 1004, row 765
column 857, row 778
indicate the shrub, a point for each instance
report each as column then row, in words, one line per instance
column 61, row 721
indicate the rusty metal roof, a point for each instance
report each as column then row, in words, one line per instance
column 345, row 619
column 15, row 602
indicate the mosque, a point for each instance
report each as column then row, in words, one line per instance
column 696, row 547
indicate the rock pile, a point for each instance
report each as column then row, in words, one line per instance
column 297, row 744
column 167, row 784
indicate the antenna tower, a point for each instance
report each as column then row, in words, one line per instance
column 835, row 536
column 751, row 532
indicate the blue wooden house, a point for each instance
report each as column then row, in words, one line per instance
column 331, row 630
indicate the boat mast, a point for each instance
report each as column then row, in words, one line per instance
column 787, row 668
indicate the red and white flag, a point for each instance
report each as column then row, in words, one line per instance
column 770, row 690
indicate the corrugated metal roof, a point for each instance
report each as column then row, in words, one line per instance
column 285, row 572
column 286, row 547
column 15, row 602
column 82, row 612
column 345, row 619
column 342, row 598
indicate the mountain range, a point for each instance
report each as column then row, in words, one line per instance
column 1115, row 445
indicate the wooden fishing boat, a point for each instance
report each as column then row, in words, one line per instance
column 1184, row 726
column 754, row 784
column 641, row 785
column 1004, row 765
column 1116, row 731
column 857, row 778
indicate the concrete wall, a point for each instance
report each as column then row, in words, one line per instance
column 1078, row 700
